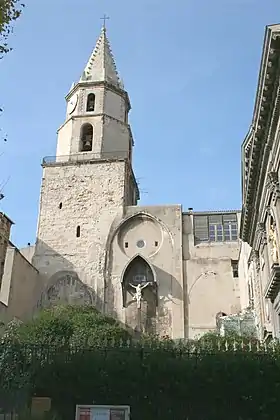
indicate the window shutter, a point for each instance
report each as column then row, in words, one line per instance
column 201, row 228
column 232, row 217
column 215, row 219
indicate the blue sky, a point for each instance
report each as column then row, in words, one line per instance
column 190, row 68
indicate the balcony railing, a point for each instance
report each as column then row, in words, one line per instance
column 85, row 157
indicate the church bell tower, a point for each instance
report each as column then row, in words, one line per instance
column 96, row 123
column 90, row 180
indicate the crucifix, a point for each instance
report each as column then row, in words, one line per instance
column 138, row 293
column 104, row 18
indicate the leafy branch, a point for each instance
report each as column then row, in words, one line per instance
column 10, row 11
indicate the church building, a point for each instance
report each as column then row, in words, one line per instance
column 157, row 269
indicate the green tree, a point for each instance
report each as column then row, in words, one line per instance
column 10, row 10
column 75, row 325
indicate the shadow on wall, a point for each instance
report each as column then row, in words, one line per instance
column 159, row 290
column 170, row 292
column 61, row 283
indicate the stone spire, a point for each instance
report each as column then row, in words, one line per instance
column 101, row 65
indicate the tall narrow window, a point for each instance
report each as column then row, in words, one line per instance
column 78, row 231
column 90, row 102
column 216, row 228
column 86, row 137
column 234, row 266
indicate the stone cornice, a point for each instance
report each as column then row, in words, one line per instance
column 266, row 115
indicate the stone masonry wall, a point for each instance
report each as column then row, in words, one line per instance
column 5, row 228
column 87, row 195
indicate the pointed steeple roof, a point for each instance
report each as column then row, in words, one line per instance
column 101, row 64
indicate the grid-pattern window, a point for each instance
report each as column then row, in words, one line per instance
column 215, row 227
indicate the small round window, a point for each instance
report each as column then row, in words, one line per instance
column 140, row 243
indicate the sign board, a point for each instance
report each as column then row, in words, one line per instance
column 40, row 405
column 102, row 412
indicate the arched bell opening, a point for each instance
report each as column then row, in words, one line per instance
column 90, row 102
column 86, row 138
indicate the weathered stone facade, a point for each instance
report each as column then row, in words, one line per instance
column 260, row 227
column 81, row 197
column 5, row 229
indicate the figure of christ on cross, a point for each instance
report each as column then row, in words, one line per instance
column 138, row 293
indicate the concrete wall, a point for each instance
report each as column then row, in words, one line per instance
column 211, row 287
column 19, row 285
column 243, row 271
column 28, row 252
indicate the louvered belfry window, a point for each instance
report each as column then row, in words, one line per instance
column 215, row 227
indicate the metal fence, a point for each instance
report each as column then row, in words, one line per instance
column 53, row 367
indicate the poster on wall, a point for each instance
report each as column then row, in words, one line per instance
column 102, row 412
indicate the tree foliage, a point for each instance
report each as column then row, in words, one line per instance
column 10, row 10
column 158, row 381
column 81, row 356
column 71, row 325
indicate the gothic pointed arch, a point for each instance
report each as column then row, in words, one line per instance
column 138, row 271
column 118, row 225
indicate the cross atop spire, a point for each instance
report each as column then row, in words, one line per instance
column 101, row 64
column 104, row 18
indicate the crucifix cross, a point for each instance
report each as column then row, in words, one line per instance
column 104, row 18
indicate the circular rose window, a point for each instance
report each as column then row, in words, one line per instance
column 140, row 243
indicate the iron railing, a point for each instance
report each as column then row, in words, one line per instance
column 85, row 157
column 184, row 380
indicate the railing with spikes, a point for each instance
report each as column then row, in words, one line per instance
column 180, row 347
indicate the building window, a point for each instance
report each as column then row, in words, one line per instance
column 86, row 138
column 234, row 266
column 90, row 102
column 215, row 227
column 78, row 232
column 156, row 243
column 126, row 244
column 60, row 205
